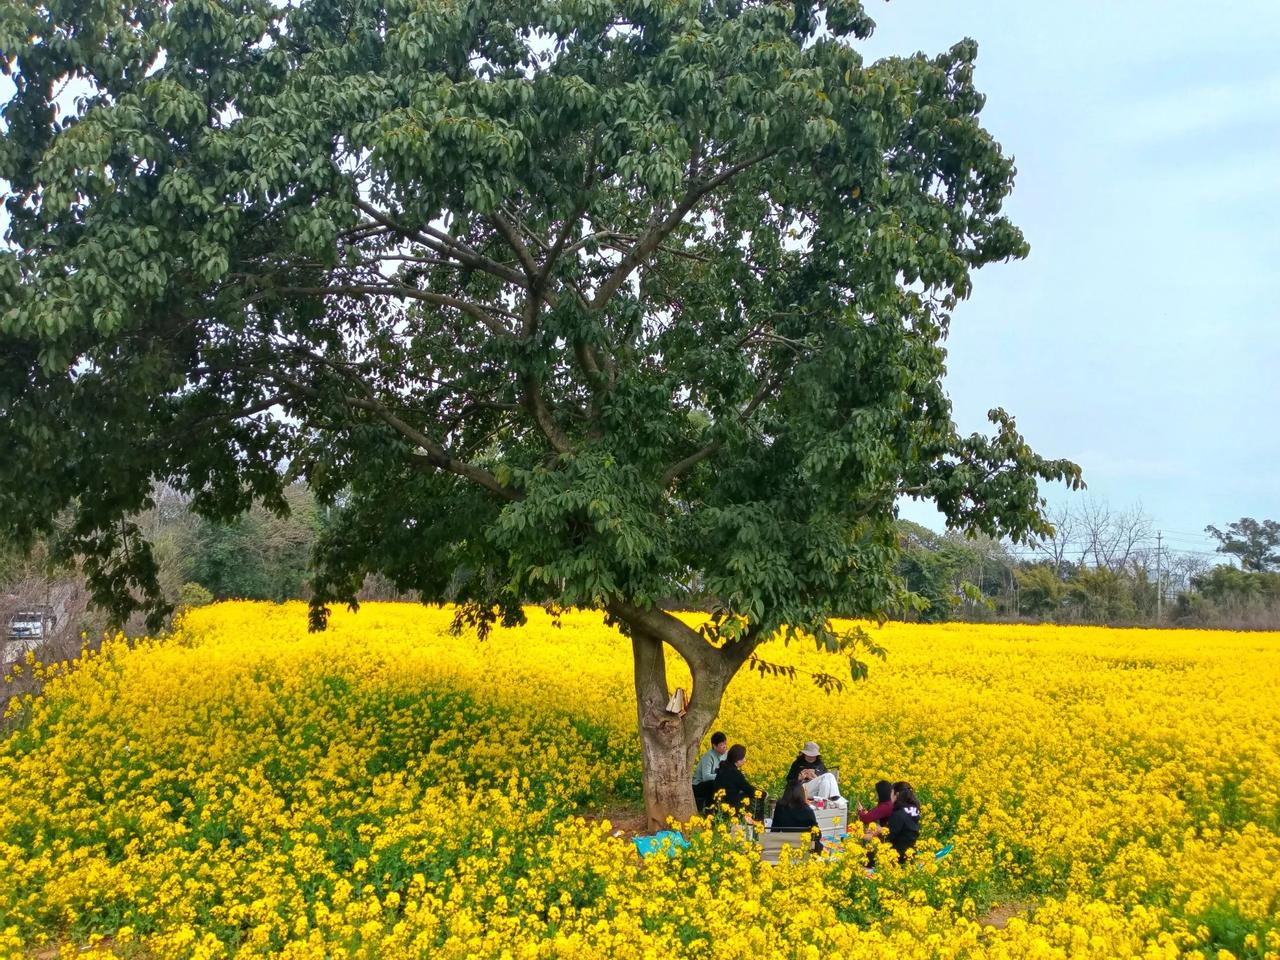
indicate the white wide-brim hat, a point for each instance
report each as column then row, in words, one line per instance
column 810, row 749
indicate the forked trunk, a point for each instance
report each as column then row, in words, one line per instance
column 668, row 785
column 669, row 742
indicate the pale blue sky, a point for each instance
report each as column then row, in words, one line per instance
column 1141, row 337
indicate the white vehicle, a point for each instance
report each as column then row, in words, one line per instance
column 27, row 630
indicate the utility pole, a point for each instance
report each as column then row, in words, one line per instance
column 1159, row 585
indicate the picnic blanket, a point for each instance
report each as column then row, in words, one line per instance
column 664, row 841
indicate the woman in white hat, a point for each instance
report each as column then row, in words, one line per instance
column 808, row 769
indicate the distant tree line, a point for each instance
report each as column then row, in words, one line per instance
column 262, row 555
column 1100, row 566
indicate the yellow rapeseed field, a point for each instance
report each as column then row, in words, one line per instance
column 384, row 789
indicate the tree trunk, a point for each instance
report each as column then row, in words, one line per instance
column 670, row 742
column 668, row 790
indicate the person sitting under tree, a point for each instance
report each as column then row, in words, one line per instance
column 704, row 774
column 904, row 821
column 809, row 770
column 731, row 785
column 878, row 814
column 794, row 815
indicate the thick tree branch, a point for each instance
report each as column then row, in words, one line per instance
column 711, row 667
column 680, row 467
column 531, row 387
column 442, row 243
column 482, row 312
column 597, row 379
column 542, row 415
column 435, row 453
column 660, row 625
column 654, row 237
column 512, row 236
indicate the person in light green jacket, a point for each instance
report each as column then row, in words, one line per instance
column 704, row 774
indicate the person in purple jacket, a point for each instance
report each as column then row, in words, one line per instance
column 878, row 815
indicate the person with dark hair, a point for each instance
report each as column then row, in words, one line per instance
column 809, row 768
column 731, row 784
column 704, row 774
column 904, row 821
column 794, row 815
column 878, row 814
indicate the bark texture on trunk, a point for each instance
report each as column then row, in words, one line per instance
column 668, row 790
column 670, row 742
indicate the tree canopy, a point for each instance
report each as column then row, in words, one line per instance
column 571, row 301
column 1255, row 543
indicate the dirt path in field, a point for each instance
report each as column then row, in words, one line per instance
column 625, row 822
column 51, row 951
column 999, row 916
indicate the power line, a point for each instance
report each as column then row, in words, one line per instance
column 1199, row 540
column 1070, row 555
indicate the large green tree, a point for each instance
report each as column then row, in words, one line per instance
column 577, row 302
column 1255, row 543
column 259, row 555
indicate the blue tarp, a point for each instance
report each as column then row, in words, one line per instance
column 668, row 841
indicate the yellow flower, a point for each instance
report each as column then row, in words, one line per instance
column 385, row 789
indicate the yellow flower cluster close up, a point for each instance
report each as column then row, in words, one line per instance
column 243, row 788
